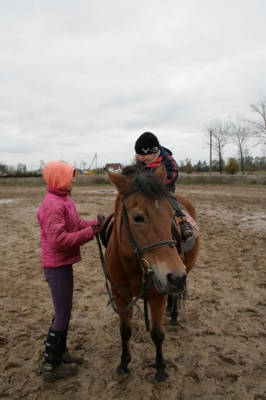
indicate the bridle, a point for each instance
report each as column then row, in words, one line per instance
column 140, row 250
column 143, row 263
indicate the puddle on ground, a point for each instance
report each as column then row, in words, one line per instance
column 255, row 220
column 103, row 191
column 8, row 201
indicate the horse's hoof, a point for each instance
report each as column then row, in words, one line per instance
column 122, row 370
column 120, row 378
column 173, row 323
column 162, row 385
column 122, row 373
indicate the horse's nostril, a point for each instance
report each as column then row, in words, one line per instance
column 177, row 280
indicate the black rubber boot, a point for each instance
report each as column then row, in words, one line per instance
column 187, row 233
column 54, row 368
column 185, row 227
column 68, row 358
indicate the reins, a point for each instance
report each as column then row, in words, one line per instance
column 111, row 297
column 142, row 294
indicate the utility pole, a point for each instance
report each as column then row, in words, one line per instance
column 210, row 153
column 94, row 159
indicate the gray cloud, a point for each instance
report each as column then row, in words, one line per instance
column 84, row 77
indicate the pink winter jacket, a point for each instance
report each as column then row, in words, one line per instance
column 62, row 230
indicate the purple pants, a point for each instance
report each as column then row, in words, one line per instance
column 60, row 280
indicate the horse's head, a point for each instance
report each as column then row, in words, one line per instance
column 142, row 226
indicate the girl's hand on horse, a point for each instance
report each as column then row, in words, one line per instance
column 100, row 218
column 97, row 228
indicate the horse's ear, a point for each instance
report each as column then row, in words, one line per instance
column 161, row 172
column 121, row 182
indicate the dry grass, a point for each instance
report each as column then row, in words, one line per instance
column 195, row 179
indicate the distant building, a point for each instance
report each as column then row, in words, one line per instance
column 114, row 167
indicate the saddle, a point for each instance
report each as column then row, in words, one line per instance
column 106, row 229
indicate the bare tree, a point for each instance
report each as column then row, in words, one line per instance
column 218, row 139
column 240, row 133
column 21, row 168
column 259, row 126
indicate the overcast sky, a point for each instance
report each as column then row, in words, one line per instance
column 86, row 77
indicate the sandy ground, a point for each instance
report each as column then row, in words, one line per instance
column 218, row 351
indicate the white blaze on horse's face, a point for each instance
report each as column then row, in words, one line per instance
column 157, row 204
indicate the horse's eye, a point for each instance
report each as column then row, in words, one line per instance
column 139, row 219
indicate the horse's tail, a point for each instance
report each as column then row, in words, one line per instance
column 188, row 205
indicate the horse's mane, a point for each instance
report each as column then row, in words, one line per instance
column 145, row 182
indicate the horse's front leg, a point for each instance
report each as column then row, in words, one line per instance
column 157, row 307
column 125, row 333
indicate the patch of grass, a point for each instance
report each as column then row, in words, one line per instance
column 92, row 180
column 22, row 181
column 222, row 179
column 38, row 181
column 103, row 179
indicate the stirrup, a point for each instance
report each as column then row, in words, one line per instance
column 189, row 243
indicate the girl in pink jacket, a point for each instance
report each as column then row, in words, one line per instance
column 62, row 232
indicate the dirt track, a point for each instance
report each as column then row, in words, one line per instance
column 218, row 351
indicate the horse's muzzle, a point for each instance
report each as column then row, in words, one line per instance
column 176, row 283
column 171, row 283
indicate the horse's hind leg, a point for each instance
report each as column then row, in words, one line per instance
column 125, row 333
column 169, row 304
column 157, row 335
column 174, row 312
column 172, row 307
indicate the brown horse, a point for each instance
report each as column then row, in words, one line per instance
column 141, row 258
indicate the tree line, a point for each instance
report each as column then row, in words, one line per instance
column 219, row 134
column 250, row 165
column 232, row 166
column 238, row 131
